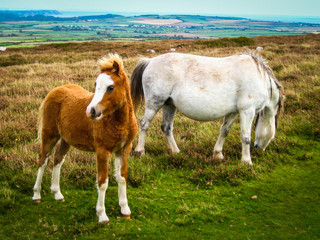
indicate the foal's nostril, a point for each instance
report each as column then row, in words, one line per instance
column 255, row 145
column 93, row 112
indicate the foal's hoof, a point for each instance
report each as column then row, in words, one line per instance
column 36, row 200
column 126, row 217
column 61, row 200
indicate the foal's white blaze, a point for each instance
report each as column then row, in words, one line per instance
column 100, row 208
column 102, row 83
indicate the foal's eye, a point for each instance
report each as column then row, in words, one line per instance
column 110, row 88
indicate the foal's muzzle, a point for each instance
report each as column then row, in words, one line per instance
column 92, row 113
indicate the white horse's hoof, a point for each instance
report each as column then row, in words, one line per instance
column 247, row 162
column 218, row 156
column 141, row 152
column 175, row 151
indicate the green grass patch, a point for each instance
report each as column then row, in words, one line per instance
column 227, row 42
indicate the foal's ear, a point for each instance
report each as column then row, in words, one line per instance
column 116, row 67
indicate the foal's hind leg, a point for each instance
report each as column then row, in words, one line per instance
column 47, row 143
column 168, row 111
column 59, row 157
column 224, row 131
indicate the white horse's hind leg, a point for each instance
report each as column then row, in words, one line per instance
column 224, row 130
column 144, row 125
column 169, row 111
column 246, row 118
column 37, row 185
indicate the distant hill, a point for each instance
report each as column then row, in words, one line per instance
column 45, row 15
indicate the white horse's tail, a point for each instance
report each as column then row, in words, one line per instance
column 136, row 83
column 40, row 121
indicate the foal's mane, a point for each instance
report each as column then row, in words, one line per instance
column 112, row 63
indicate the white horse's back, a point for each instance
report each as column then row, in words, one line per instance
column 205, row 88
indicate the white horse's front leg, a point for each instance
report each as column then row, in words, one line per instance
column 246, row 118
column 37, row 186
column 55, row 181
column 144, row 125
column 122, row 186
column 224, row 130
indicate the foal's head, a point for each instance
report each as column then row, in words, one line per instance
column 110, row 90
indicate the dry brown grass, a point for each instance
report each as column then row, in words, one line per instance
column 174, row 193
column 28, row 74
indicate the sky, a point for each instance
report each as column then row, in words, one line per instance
column 211, row 7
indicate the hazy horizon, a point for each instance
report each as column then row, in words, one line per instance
column 306, row 8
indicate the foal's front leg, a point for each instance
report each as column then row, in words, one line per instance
column 102, row 179
column 120, row 172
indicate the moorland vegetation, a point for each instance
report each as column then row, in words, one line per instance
column 188, row 195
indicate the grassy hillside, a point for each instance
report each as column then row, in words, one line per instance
column 187, row 196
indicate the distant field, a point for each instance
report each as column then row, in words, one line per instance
column 186, row 196
column 148, row 27
column 152, row 21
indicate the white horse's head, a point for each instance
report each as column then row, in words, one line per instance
column 266, row 126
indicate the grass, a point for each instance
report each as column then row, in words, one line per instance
column 188, row 195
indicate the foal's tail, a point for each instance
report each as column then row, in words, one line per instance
column 40, row 121
column 137, row 94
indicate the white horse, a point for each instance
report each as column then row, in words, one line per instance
column 205, row 89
